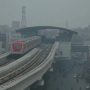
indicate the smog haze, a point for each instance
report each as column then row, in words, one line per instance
column 47, row 12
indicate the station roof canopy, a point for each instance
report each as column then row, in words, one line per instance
column 36, row 28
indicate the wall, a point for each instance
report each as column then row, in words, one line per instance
column 65, row 49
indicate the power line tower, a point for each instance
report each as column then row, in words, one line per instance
column 23, row 21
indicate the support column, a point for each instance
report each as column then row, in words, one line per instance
column 41, row 83
column 51, row 69
column 27, row 88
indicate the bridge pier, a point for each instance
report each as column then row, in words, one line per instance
column 51, row 69
column 37, row 85
column 35, row 75
column 28, row 88
column 41, row 82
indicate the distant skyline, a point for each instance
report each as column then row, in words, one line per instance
column 47, row 12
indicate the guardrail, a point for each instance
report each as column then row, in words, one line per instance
column 33, row 75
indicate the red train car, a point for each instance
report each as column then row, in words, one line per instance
column 22, row 46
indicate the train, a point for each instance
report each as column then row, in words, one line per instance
column 21, row 46
column 9, row 71
column 17, row 67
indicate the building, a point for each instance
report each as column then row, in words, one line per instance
column 5, row 37
column 15, row 25
column 79, row 49
column 65, row 50
column 49, row 33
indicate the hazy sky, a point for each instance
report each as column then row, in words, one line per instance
column 47, row 12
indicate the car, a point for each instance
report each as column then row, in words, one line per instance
column 88, row 87
column 75, row 76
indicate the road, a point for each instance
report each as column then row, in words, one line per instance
column 66, row 81
column 62, row 78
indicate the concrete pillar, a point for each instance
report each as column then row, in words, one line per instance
column 27, row 88
column 53, row 62
column 51, row 69
column 41, row 83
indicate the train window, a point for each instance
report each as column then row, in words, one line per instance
column 17, row 46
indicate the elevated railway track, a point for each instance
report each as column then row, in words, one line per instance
column 3, row 59
column 39, row 64
column 7, row 74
